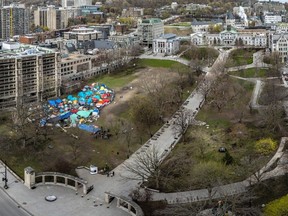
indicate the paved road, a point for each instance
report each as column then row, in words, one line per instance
column 8, row 207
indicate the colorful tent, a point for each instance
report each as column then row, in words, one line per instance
column 84, row 113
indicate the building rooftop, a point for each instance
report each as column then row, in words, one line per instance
column 168, row 36
column 73, row 56
column 152, row 20
column 23, row 50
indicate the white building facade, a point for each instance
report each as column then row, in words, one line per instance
column 253, row 38
column 272, row 19
column 203, row 26
column 279, row 43
column 167, row 44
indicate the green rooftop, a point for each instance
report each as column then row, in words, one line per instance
column 152, row 20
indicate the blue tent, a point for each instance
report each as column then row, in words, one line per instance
column 52, row 103
column 89, row 101
column 65, row 115
column 70, row 97
column 58, row 101
column 81, row 94
column 89, row 128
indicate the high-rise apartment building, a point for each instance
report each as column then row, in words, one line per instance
column 78, row 3
column 28, row 74
column 54, row 17
column 14, row 20
column 67, row 3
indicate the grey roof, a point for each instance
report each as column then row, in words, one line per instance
column 99, row 44
column 230, row 15
column 168, row 36
column 104, row 44
column 70, row 47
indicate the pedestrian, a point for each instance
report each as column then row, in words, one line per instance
column 108, row 174
column 113, row 173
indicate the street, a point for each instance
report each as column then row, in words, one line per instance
column 8, row 207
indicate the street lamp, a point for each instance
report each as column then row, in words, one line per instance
column 5, row 177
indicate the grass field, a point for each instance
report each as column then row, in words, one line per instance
column 115, row 80
column 240, row 57
column 188, row 24
column 158, row 63
column 251, row 73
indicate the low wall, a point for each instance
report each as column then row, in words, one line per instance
column 125, row 204
column 66, row 180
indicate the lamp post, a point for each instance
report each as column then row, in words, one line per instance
column 5, row 177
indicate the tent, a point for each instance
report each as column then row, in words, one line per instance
column 84, row 113
column 73, row 119
column 65, row 115
column 52, row 103
column 89, row 128
column 58, row 101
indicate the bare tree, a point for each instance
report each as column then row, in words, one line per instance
column 181, row 121
column 127, row 130
column 273, row 116
column 135, row 51
column 196, row 66
column 204, row 88
column 145, row 165
column 144, row 112
column 20, row 123
column 75, row 148
column 222, row 92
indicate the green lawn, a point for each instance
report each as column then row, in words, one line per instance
column 181, row 24
column 240, row 57
column 277, row 207
column 115, row 80
column 158, row 63
column 251, row 73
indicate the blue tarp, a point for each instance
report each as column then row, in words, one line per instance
column 65, row 115
column 89, row 128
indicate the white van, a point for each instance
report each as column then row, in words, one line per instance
column 93, row 170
